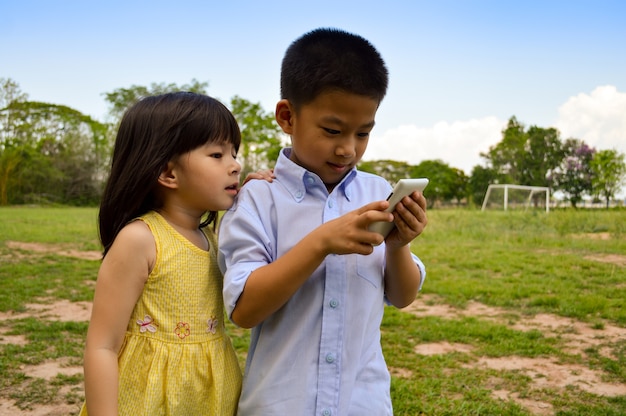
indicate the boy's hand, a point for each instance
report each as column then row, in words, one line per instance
column 350, row 234
column 267, row 174
column 410, row 219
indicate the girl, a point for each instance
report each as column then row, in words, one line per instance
column 156, row 343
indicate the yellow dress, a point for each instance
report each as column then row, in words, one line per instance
column 176, row 358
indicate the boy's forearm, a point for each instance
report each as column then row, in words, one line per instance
column 269, row 287
column 402, row 277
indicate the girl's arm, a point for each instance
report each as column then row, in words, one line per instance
column 121, row 279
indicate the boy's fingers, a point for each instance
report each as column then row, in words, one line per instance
column 373, row 206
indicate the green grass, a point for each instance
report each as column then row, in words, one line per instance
column 522, row 263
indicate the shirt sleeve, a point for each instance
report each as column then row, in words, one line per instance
column 422, row 269
column 244, row 245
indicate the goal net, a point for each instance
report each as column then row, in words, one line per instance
column 521, row 197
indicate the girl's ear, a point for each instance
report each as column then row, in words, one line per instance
column 285, row 115
column 167, row 178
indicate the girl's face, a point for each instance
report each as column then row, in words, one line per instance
column 208, row 177
column 329, row 135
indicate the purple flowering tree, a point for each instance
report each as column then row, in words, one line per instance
column 574, row 176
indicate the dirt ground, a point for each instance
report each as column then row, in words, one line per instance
column 544, row 372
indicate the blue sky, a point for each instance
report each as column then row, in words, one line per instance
column 458, row 69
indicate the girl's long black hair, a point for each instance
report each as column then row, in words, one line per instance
column 152, row 132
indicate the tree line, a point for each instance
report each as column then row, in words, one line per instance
column 50, row 153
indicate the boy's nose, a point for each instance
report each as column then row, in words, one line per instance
column 346, row 149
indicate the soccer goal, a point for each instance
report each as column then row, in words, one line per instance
column 507, row 196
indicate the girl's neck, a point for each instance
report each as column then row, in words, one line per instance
column 187, row 224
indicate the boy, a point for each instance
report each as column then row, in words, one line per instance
column 301, row 267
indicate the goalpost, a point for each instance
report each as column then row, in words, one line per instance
column 516, row 196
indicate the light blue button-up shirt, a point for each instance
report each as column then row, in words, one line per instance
column 319, row 354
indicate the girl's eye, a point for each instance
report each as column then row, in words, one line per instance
column 216, row 155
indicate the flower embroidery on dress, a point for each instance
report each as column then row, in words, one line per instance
column 147, row 324
column 212, row 325
column 182, row 329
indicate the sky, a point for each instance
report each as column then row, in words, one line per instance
column 459, row 69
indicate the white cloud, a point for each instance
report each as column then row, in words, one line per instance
column 458, row 144
column 598, row 118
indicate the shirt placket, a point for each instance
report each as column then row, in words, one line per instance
column 331, row 342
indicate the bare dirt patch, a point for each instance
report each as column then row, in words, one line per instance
column 61, row 310
column 545, row 373
column 617, row 259
column 55, row 249
column 11, row 339
column 8, row 408
column 50, row 369
column 442, row 348
column 549, row 373
column 592, row 236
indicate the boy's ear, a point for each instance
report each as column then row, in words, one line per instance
column 167, row 178
column 284, row 115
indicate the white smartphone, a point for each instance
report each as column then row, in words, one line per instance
column 403, row 188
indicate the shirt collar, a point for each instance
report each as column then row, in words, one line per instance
column 297, row 180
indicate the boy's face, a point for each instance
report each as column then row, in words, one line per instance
column 329, row 135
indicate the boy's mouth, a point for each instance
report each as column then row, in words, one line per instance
column 338, row 168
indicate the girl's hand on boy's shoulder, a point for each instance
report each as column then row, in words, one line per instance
column 410, row 220
column 266, row 174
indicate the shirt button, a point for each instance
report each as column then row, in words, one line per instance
column 333, row 303
column 299, row 194
column 330, row 358
column 326, row 412
column 330, row 204
column 310, row 179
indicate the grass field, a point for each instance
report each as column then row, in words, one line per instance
column 522, row 313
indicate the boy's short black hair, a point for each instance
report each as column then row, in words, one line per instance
column 328, row 59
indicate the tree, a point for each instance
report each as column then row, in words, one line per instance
column 260, row 135
column 388, row 169
column 608, row 173
column 543, row 153
column 10, row 92
column 504, row 157
column 122, row 98
column 574, row 175
column 10, row 157
column 52, row 151
column 480, row 179
column 446, row 183
column 525, row 157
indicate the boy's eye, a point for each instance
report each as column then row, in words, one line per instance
column 331, row 131
column 216, row 155
column 363, row 135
